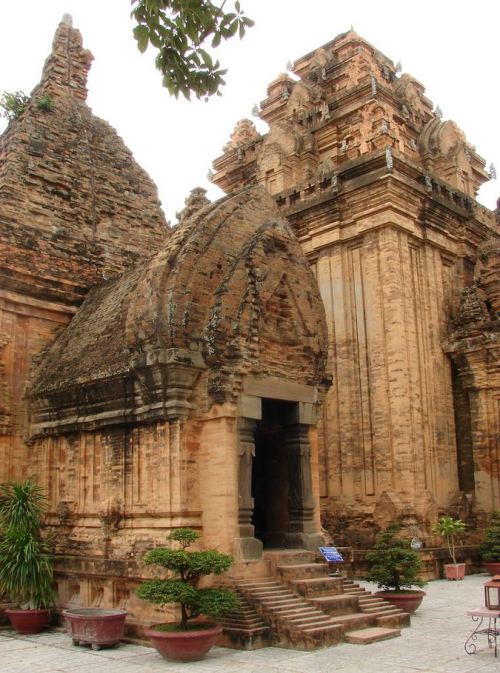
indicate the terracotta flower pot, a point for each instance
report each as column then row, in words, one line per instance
column 454, row 571
column 492, row 567
column 95, row 626
column 184, row 645
column 28, row 622
column 407, row 601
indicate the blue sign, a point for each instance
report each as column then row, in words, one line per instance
column 331, row 554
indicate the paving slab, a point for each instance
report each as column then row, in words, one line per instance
column 433, row 644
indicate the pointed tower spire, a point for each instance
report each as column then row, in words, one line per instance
column 66, row 69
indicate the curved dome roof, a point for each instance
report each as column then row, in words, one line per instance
column 230, row 292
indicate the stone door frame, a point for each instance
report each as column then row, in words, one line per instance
column 302, row 531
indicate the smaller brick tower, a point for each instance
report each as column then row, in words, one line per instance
column 75, row 208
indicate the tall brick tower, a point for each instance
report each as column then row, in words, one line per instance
column 381, row 193
column 75, row 209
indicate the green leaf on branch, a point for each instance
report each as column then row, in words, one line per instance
column 179, row 29
column 141, row 34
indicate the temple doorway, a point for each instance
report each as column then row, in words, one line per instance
column 271, row 474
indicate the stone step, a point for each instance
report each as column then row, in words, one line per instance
column 338, row 604
column 323, row 636
column 396, row 620
column 315, row 586
column 379, row 608
column 245, row 639
column 300, row 608
column 307, row 622
column 288, row 557
column 358, row 620
column 294, row 603
column 302, row 571
column 370, row 635
column 260, row 582
column 277, row 594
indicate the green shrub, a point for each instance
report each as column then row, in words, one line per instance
column 45, row 103
column 185, row 569
column 13, row 104
column 490, row 546
column 394, row 564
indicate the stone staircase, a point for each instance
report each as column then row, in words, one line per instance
column 245, row 629
column 304, row 607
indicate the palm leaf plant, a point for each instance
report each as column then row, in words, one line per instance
column 185, row 568
column 26, row 574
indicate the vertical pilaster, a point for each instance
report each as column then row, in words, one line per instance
column 302, row 528
column 246, row 545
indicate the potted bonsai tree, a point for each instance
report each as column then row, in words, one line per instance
column 490, row 546
column 187, row 640
column 450, row 529
column 26, row 574
column 394, row 568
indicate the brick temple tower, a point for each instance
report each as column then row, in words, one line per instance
column 75, row 209
column 381, row 193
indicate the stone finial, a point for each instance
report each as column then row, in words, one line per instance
column 195, row 201
column 244, row 132
column 66, row 69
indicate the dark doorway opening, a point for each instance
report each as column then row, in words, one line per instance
column 463, row 431
column 270, row 474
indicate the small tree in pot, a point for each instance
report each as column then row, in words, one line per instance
column 450, row 529
column 490, row 546
column 187, row 640
column 394, row 568
column 26, row 574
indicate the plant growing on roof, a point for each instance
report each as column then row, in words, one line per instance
column 13, row 104
column 450, row 529
column 45, row 103
column 185, row 568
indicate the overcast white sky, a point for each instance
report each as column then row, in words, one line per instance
column 451, row 47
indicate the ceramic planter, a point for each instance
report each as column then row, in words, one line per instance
column 95, row 626
column 28, row 622
column 184, row 645
column 492, row 567
column 408, row 602
column 454, row 571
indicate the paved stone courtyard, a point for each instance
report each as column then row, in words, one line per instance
column 433, row 644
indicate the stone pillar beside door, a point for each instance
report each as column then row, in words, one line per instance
column 302, row 528
column 246, row 546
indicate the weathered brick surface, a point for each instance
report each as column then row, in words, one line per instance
column 74, row 205
column 230, row 293
column 134, row 408
column 380, row 191
column 143, row 411
column 75, row 209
